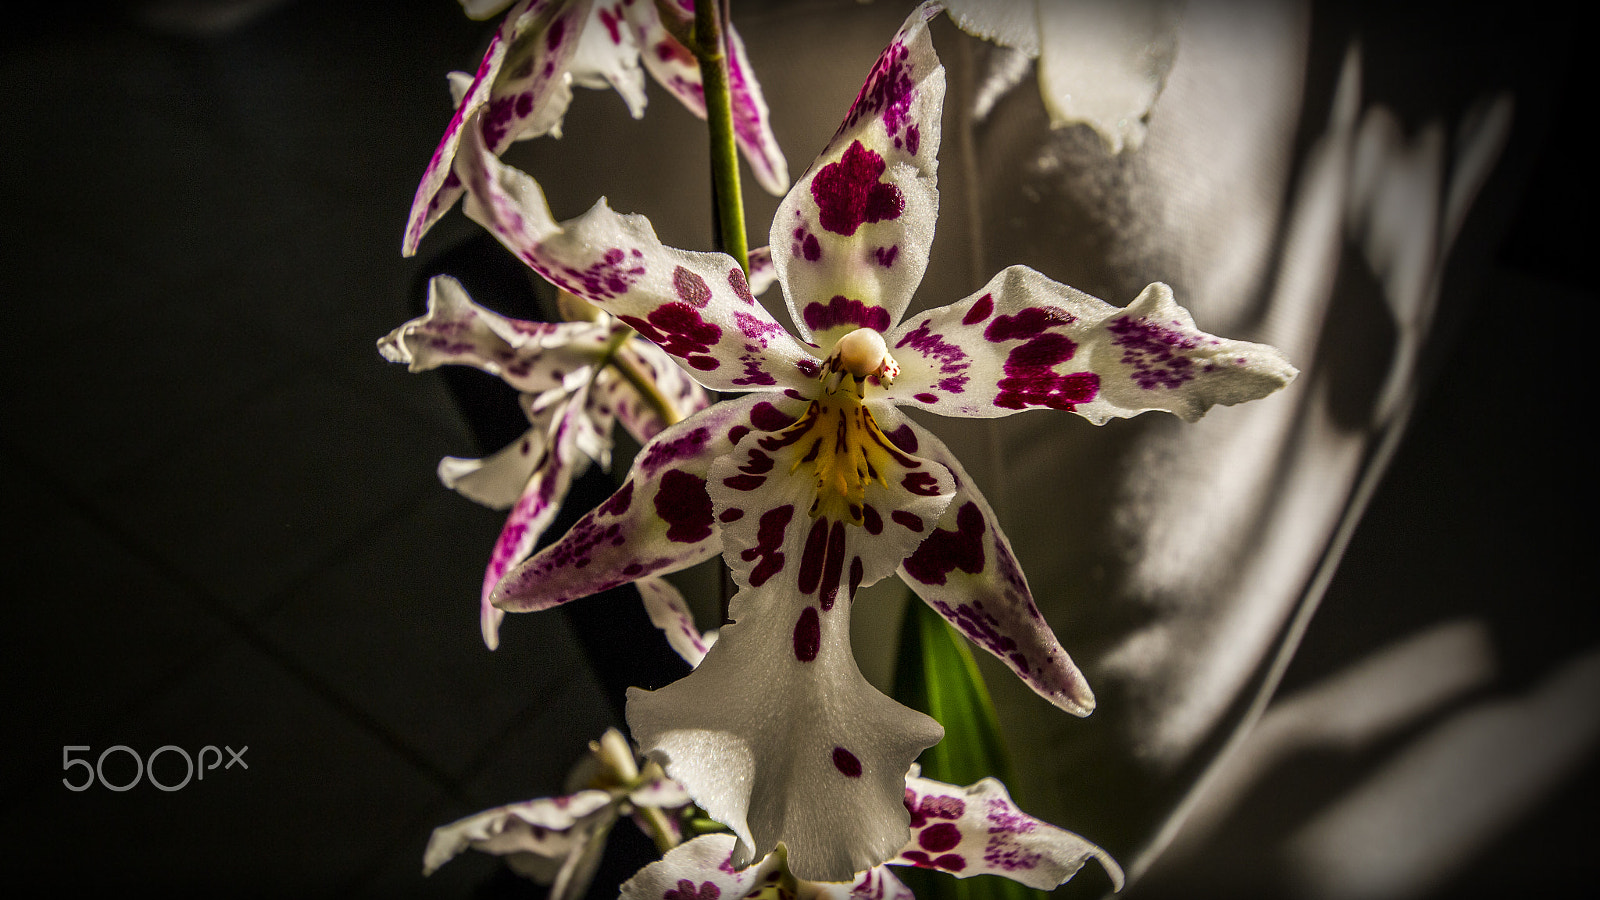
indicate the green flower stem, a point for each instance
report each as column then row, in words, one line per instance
column 728, row 200
column 660, row 829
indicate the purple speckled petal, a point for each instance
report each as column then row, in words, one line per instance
column 658, row 521
column 668, row 612
column 700, row 870
column 978, row 830
column 965, row 571
column 696, row 306
column 571, row 425
column 851, row 239
column 1025, row 342
column 549, row 829
column 607, row 55
column 778, row 736
column 520, row 91
column 752, row 124
column 533, row 357
column 675, row 68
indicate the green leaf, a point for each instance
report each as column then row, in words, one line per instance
column 936, row 673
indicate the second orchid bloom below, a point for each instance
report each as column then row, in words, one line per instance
column 814, row 484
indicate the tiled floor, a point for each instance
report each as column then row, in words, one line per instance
column 223, row 523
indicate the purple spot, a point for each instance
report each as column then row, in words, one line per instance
column 933, row 806
column 807, row 635
column 618, row 503
column 888, row 90
column 810, row 369
column 660, row 453
column 686, row 890
column 806, row 245
column 1154, row 352
column 685, row 506
column 904, row 438
column 871, row 520
column 669, row 50
column 842, row 310
column 846, row 762
column 886, row 255
column 911, row 521
column 832, row 566
column 558, row 29
column 950, row 862
column 731, row 514
column 1031, row 380
column 858, row 572
column 690, row 288
column 606, row 278
column 754, row 472
column 741, row 287
column 945, row 551
column 981, row 309
column 613, row 22
column 921, row 483
column 737, row 433
column 813, row 556
column 940, row 837
column 1030, row 322
column 678, row 329
column 744, row 482
column 913, row 138
column 950, row 358
column 766, row 417
column 848, row 193
column 753, row 373
column 769, row 541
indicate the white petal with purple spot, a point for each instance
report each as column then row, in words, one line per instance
column 1026, row 342
column 658, row 521
column 778, row 736
column 851, row 239
column 966, row 572
column 978, row 830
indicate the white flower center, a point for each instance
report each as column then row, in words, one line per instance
column 863, row 353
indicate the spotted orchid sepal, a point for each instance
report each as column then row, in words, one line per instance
column 559, row 840
column 962, row 831
column 979, row 830
column 523, row 85
column 1026, row 342
column 576, row 379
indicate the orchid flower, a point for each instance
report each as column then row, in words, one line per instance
column 1101, row 63
column 558, row 840
column 969, row 831
column 576, row 379
column 814, row 485
column 523, row 85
